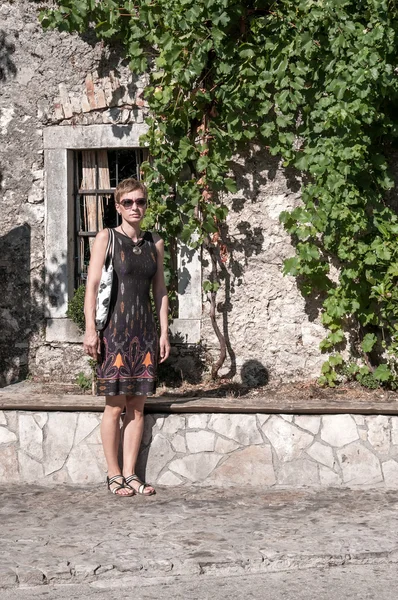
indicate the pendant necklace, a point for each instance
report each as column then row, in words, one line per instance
column 136, row 248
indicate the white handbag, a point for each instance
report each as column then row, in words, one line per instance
column 105, row 286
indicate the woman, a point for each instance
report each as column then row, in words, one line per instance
column 127, row 349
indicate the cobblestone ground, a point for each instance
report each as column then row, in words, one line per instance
column 360, row 582
column 71, row 535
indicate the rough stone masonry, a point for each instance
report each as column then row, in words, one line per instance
column 216, row 450
column 50, row 78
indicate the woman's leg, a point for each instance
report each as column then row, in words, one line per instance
column 133, row 428
column 110, row 435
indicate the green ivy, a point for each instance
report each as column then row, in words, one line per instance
column 314, row 82
column 76, row 308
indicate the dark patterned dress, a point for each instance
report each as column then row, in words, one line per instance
column 129, row 342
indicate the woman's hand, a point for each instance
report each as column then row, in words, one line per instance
column 91, row 344
column 164, row 347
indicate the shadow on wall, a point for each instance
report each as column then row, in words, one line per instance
column 22, row 310
column 18, row 314
column 7, row 67
column 257, row 170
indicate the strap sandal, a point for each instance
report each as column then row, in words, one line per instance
column 142, row 486
column 113, row 481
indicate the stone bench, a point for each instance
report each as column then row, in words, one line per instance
column 262, row 441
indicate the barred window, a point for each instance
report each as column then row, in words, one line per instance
column 97, row 173
column 80, row 185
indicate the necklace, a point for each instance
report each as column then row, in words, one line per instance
column 136, row 248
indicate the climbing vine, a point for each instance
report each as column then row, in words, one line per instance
column 313, row 81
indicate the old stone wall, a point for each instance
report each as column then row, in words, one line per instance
column 207, row 449
column 47, row 78
column 272, row 331
column 50, row 78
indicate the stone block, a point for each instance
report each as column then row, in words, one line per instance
column 241, row 428
column 149, row 425
column 170, row 479
column 379, row 432
column 57, row 573
column 8, row 464
column 328, row 478
column 338, row 430
column 3, row 420
column 200, row 441
column 158, row 420
column 41, row 419
column 287, row 439
column 85, row 104
column 101, row 100
column 359, row 465
column 311, row 423
column 172, row 424
column 390, row 473
column 36, row 193
column 322, row 454
column 29, row 576
column 298, row 472
column 250, row 466
column 94, row 437
column 30, row 470
column 8, row 577
column 60, row 432
column 12, row 418
column 198, row 421
column 195, row 467
column 84, row 570
column 30, row 436
column 81, row 467
column 98, row 453
column 288, row 418
column 262, row 418
column 86, row 424
column 160, row 453
column 59, row 477
column 224, row 446
column 178, row 444
column 359, row 419
column 7, row 436
column 394, row 430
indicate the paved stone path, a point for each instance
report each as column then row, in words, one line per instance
column 361, row 582
column 65, row 534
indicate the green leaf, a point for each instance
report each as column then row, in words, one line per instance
column 230, row 184
column 368, row 342
column 382, row 373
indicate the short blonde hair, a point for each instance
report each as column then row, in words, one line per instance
column 129, row 185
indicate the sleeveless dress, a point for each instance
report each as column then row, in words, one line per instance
column 129, row 341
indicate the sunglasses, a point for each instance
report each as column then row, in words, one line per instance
column 140, row 202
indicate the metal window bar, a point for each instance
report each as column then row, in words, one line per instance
column 135, row 157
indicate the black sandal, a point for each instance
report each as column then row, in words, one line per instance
column 142, row 487
column 118, row 486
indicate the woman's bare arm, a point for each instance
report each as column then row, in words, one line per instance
column 161, row 300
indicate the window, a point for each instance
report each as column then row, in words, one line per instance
column 66, row 198
column 97, row 174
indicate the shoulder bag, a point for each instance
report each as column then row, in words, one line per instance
column 105, row 286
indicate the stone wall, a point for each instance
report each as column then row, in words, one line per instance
column 259, row 450
column 47, row 78
column 272, row 330
column 51, row 78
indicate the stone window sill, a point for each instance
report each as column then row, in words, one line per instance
column 63, row 330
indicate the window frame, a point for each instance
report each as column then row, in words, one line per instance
column 60, row 144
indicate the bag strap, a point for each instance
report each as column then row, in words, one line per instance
column 110, row 248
